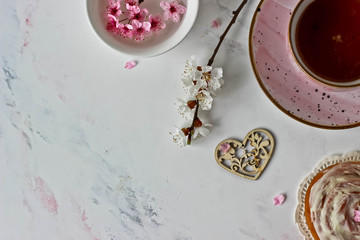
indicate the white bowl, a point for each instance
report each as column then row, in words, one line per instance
column 156, row 44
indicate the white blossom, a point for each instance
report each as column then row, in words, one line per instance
column 200, row 84
column 179, row 137
column 208, row 78
column 216, row 79
column 189, row 73
column 201, row 131
column 205, row 99
column 185, row 111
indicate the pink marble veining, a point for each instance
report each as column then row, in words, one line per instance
column 45, row 195
column 85, row 224
column 28, row 22
column 62, row 97
column 29, row 12
column 83, row 219
column 27, row 205
column 292, row 90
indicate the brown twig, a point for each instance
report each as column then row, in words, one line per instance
column 211, row 60
column 222, row 37
column 193, row 123
column 123, row 20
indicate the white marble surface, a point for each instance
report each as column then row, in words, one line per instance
column 85, row 150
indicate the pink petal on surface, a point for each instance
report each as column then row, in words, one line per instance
column 130, row 64
column 357, row 216
column 215, row 23
column 225, row 147
column 279, row 199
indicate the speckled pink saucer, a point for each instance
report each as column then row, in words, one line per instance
column 285, row 83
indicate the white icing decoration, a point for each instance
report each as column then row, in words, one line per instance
column 300, row 210
column 333, row 200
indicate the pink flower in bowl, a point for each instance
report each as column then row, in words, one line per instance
column 112, row 24
column 126, row 30
column 156, row 23
column 138, row 14
column 114, row 8
column 140, row 29
column 173, row 10
column 124, row 41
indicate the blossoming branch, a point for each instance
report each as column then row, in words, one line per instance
column 200, row 84
column 134, row 22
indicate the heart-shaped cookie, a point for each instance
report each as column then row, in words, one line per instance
column 257, row 146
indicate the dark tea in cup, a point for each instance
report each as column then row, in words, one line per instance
column 325, row 39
